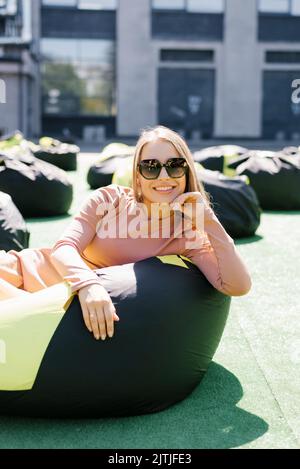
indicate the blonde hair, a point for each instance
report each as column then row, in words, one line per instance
column 164, row 133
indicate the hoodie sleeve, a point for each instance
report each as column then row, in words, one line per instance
column 67, row 251
column 217, row 257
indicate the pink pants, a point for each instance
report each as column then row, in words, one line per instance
column 10, row 269
column 30, row 269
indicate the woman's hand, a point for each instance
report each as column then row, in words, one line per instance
column 98, row 310
column 193, row 207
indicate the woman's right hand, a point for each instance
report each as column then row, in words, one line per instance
column 98, row 310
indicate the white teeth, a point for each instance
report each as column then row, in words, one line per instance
column 164, row 188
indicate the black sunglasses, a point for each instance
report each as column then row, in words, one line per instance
column 175, row 167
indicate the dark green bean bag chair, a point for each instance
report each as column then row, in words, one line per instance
column 217, row 158
column 62, row 155
column 275, row 177
column 38, row 189
column 234, row 202
column 10, row 140
column 100, row 174
column 291, row 150
column 171, row 322
column 111, row 158
column 13, row 229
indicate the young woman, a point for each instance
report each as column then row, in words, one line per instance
column 163, row 176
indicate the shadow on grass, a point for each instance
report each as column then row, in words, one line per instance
column 49, row 219
column 249, row 240
column 281, row 212
column 208, row 418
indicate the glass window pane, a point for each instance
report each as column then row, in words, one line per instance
column 274, row 6
column 205, row 6
column 168, row 4
column 8, row 7
column 97, row 4
column 59, row 50
column 61, row 3
column 78, row 76
column 295, row 7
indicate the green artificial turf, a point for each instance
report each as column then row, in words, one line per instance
column 250, row 397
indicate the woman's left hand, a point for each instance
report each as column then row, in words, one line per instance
column 192, row 205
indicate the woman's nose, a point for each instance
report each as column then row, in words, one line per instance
column 163, row 173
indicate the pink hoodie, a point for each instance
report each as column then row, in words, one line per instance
column 82, row 248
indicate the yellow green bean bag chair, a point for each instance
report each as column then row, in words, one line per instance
column 171, row 322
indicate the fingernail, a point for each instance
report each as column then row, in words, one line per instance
column 103, row 337
column 110, row 335
column 97, row 337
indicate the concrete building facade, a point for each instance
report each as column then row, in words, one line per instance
column 207, row 68
column 19, row 66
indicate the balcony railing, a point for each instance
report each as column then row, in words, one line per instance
column 11, row 23
column 11, row 27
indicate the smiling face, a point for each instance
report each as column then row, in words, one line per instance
column 164, row 189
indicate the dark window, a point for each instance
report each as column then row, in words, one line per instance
column 183, row 55
column 283, row 57
column 274, row 28
column 66, row 22
column 281, row 109
column 186, row 101
column 187, row 26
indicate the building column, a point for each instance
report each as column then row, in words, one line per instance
column 10, row 113
column 35, row 82
column 136, row 68
column 238, row 89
